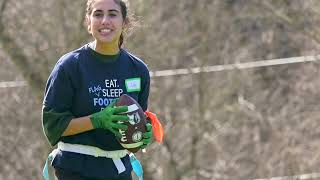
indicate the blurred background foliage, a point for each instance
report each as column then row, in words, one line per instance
column 240, row 124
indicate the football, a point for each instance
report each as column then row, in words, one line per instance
column 132, row 137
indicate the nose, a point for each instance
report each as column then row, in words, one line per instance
column 105, row 19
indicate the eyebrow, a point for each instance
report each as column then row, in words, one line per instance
column 114, row 10
column 111, row 10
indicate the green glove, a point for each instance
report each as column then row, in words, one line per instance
column 109, row 119
column 147, row 136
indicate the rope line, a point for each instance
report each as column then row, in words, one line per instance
column 228, row 67
column 11, row 84
column 205, row 69
column 300, row 177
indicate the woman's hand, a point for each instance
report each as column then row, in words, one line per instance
column 110, row 118
column 147, row 136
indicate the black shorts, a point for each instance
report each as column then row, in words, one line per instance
column 63, row 174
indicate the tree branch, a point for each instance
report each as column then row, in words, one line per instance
column 2, row 9
column 82, row 33
column 11, row 48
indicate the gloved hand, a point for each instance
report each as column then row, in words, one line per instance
column 109, row 119
column 147, row 136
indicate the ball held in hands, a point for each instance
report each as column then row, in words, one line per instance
column 133, row 137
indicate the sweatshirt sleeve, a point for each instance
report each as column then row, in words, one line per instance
column 145, row 88
column 57, row 104
column 54, row 124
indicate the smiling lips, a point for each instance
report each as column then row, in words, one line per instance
column 105, row 31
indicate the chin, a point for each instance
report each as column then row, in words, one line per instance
column 107, row 41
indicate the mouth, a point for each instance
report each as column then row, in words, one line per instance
column 105, row 31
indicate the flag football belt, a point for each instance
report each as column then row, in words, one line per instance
column 96, row 152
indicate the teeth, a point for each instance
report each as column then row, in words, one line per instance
column 105, row 30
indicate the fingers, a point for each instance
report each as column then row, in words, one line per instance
column 120, row 109
column 146, row 142
column 149, row 126
column 119, row 118
column 119, row 126
column 113, row 102
column 146, row 139
column 147, row 135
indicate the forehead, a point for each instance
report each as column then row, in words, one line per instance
column 105, row 5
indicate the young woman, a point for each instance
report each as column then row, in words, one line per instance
column 78, row 108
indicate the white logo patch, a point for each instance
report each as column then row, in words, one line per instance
column 133, row 84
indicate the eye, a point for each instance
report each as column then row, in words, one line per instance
column 97, row 14
column 113, row 14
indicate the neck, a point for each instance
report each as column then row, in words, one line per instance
column 106, row 48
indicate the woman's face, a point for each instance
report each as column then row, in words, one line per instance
column 105, row 22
